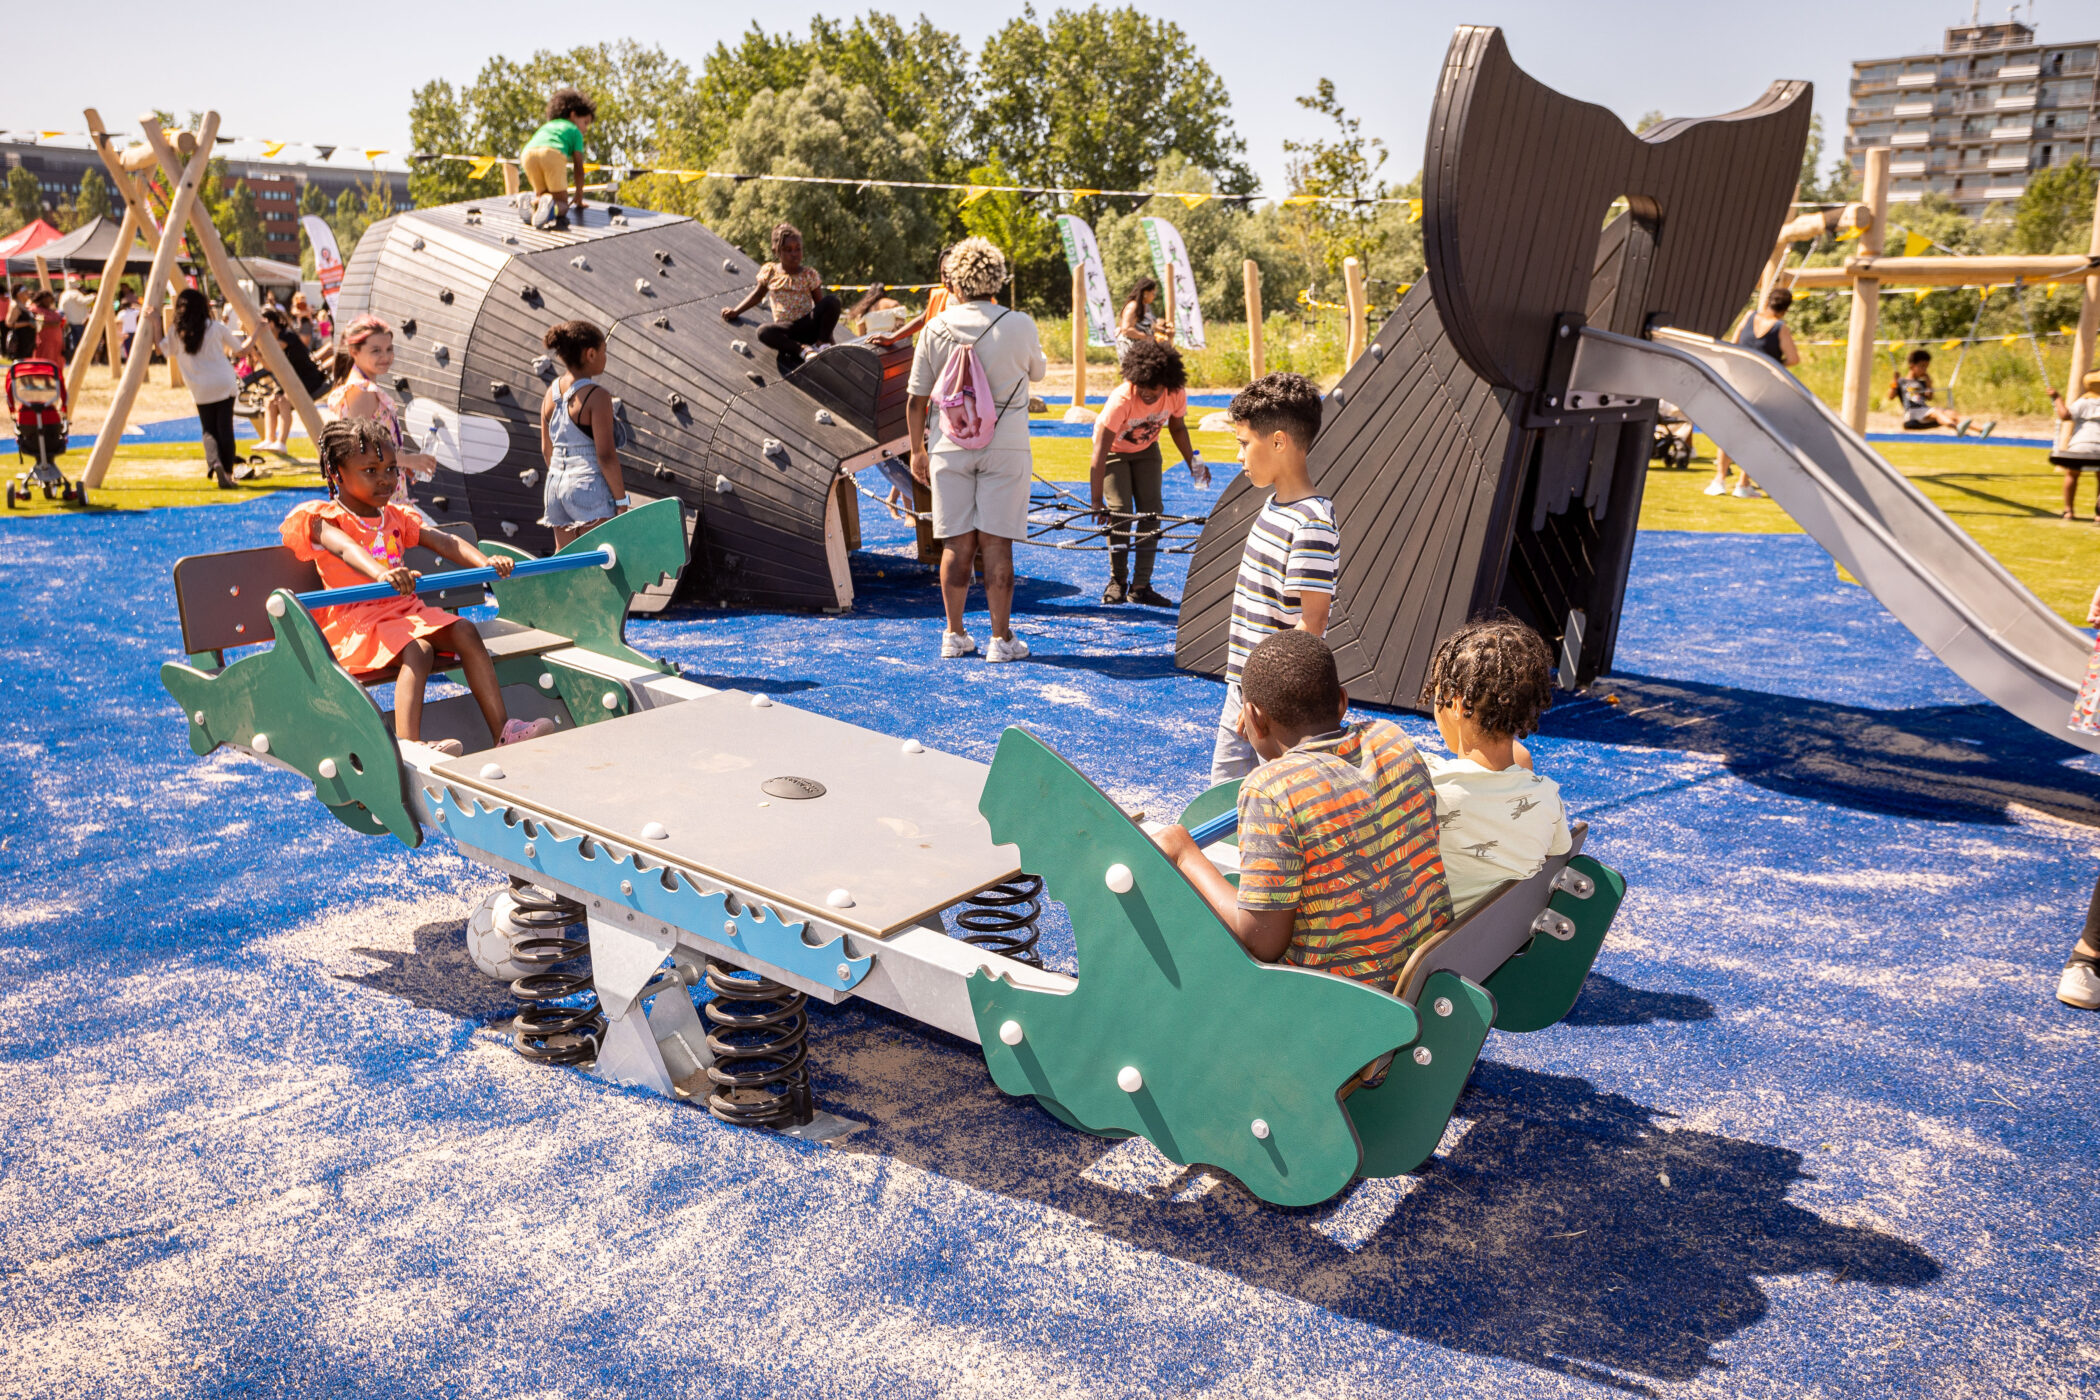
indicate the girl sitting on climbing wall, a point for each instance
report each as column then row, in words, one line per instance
column 359, row 536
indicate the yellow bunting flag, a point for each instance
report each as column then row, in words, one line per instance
column 1414, row 214
column 1192, row 200
column 1082, row 194
column 482, row 166
column 1849, row 233
column 1950, row 345
column 976, row 192
column 271, row 148
column 686, row 177
column 1921, row 294
column 2008, row 340
column 1915, row 244
column 1301, row 199
column 47, row 135
column 371, row 154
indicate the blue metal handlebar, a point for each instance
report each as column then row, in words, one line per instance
column 1216, row 829
column 601, row 558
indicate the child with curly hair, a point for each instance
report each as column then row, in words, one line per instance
column 1497, row 819
column 569, row 116
column 1127, row 468
column 801, row 318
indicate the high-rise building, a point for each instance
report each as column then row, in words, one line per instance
column 1976, row 119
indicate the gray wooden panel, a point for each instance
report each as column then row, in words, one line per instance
column 899, row 832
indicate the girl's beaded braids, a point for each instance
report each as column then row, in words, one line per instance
column 346, row 438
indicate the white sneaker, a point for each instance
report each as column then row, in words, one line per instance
column 954, row 644
column 543, row 211
column 2079, row 986
column 1006, row 649
column 1716, row 488
column 1747, row 492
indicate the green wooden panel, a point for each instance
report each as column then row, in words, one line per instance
column 580, row 690
column 1401, row 1119
column 1220, row 1039
column 309, row 709
column 1215, row 802
column 590, row 605
column 1534, row 989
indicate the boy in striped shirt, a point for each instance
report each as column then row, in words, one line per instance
column 1287, row 573
column 1340, row 870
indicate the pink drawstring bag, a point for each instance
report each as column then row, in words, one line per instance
column 963, row 394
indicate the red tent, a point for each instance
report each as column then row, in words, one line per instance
column 28, row 238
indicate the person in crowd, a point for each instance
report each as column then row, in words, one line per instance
column 360, row 370
column 1127, row 465
column 1497, row 818
column 358, row 535
column 790, row 287
column 1140, row 320
column 1766, row 332
column 324, row 326
column 584, row 486
column 76, row 306
column 938, row 300
column 1914, row 390
column 1293, row 553
column 50, row 327
column 302, row 318
column 21, row 324
column 203, row 349
column 1339, row 866
column 2081, row 453
column 277, row 411
column 127, row 320
column 550, row 153
column 980, row 494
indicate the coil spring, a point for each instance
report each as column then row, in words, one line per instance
column 1003, row 919
column 759, row 1041
column 545, row 1030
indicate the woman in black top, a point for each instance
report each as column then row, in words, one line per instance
column 277, row 413
column 1766, row 331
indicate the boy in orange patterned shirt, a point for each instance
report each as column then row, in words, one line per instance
column 1339, row 867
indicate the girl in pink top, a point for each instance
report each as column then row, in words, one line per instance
column 360, row 392
column 1127, row 467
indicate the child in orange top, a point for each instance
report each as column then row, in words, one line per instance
column 358, row 536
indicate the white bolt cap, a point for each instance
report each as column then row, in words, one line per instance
column 1121, row 881
column 1443, row 1006
column 609, row 700
column 326, row 768
column 491, row 770
column 654, row 831
column 531, row 851
column 546, row 680
column 275, row 607
column 1129, row 1080
column 1261, row 1127
column 627, row 887
column 1422, row 1055
column 1010, row 1033
column 845, row 972
column 839, row 899
column 261, row 743
column 914, row 746
column 761, row 702
column 198, row 717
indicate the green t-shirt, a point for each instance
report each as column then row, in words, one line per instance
column 562, row 134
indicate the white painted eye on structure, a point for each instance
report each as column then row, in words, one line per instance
column 1129, row 1080
column 1120, row 879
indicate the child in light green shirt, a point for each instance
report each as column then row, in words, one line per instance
column 569, row 116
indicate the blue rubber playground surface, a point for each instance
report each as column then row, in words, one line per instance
column 1817, row 1126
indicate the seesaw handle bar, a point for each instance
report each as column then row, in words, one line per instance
column 1216, row 829
column 599, row 558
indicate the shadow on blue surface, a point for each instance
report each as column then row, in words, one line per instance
column 1950, row 762
column 1607, row 1002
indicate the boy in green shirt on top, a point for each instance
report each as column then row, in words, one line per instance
column 569, row 116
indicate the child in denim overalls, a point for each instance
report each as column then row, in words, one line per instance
column 576, row 436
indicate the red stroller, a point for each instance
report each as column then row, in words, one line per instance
column 36, row 397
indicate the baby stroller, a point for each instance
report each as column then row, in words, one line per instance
column 36, row 397
column 1673, row 437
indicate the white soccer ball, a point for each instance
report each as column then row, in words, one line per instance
column 490, row 937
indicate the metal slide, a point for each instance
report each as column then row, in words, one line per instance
column 1957, row 599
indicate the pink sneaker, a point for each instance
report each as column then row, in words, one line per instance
column 518, row 730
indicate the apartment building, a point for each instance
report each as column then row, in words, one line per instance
column 1976, row 119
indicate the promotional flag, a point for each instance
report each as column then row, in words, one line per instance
column 328, row 263
column 1081, row 251
column 1170, row 263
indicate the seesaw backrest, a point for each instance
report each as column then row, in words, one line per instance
column 220, row 597
column 1491, row 932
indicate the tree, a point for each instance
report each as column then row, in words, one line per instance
column 437, row 124
column 1648, row 118
column 2055, row 215
column 1018, row 229
column 25, row 198
column 240, row 223
column 1345, row 167
column 1097, row 98
column 920, row 77
column 93, row 200
column 312, row 201
column 852, row 233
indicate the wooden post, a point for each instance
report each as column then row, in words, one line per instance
column 103, row 317
column 1079, row 336
column 43, row 271
column 135, row 203
column 113, row 347
column 237, row 297
column 185, row 198
column 1359, row 333
column 1257, row 361
column 2088, row 323
column 510, row 178
column 1866, row 297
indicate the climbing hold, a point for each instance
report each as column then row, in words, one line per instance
column 1377, row 352
column 1010, row 1033
column 839, row 899
column 497, row 388
column 610, row 700
column 510, row 527
column 530, row 476
column 654, row 831
column 677, row 402
column 580, row 261
column 445, row 295
column 1120, row 879
column 510, row 238
column 1261, row 1128
column 440, row 352
column 662, row 473
column 914, row 746
column 662, row 323
column 761, row 702
column 723, row 485
column 401, row 383
column 326, row 768
column 261, row 743
column 641, row 284
column 660, row 255
column 774, row 447
column 408, row 326
column 415, row 245
column 741, row 347
column 1422, row 1055
column 275, row 607
column 528, row 292
column 755, row 377
column 1129, row 1080
column 492, row 771
column 729, row 265
column 824, row 417
column 543, row 366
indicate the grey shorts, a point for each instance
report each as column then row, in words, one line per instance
column 576, row 493
column 985, row 489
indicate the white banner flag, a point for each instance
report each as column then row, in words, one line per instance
column 1081, row 251
column 328, row 263
column 1170, row 262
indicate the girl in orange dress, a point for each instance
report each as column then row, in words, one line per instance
column 359, row 536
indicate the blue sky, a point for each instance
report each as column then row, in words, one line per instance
column 346, row 78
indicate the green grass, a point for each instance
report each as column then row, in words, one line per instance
column 2006, row 498
column 152, row 475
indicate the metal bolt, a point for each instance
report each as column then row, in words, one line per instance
column 1443, row 1006
column 198, row 717
column 1422, row 1055
column 627, row 887
column 532, row 852
column 1261, row 1128
column 1563, row 332
column 845, row 972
